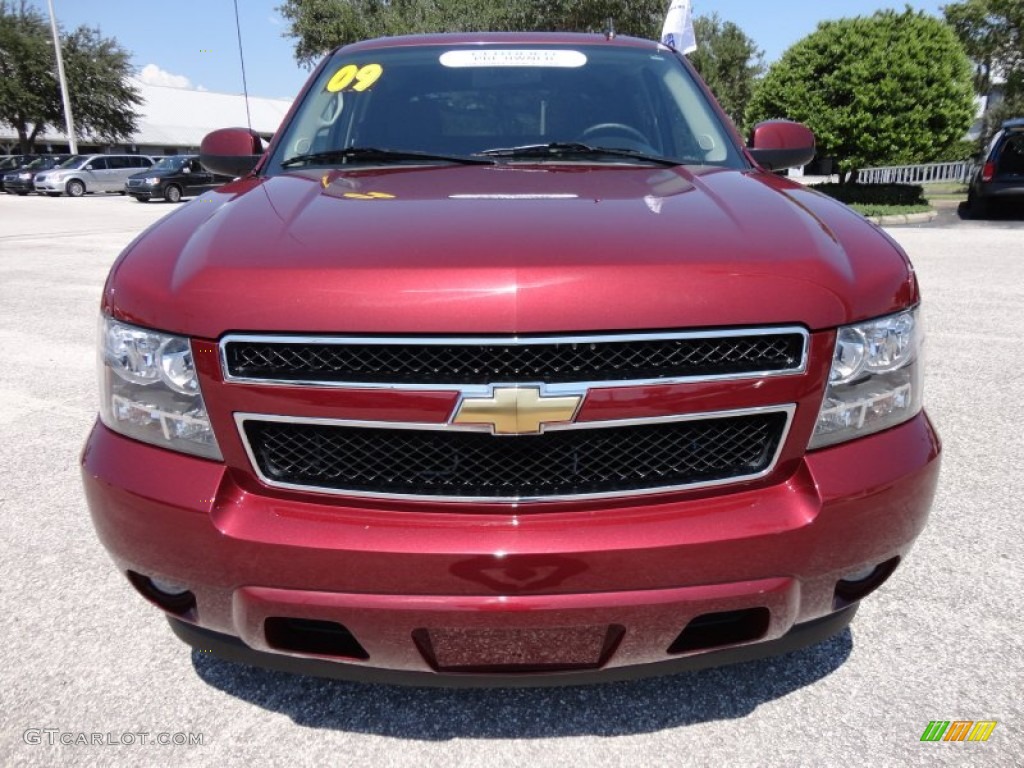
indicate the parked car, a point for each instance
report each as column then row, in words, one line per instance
column 508, row 362
column 20, row 181
column 7, row 162
column 172, row 178
column 83, row 174
column 10, row 163
column 1000, row 179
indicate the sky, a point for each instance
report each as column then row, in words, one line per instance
column 194, row 43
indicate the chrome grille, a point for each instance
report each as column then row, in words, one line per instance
column 599, row 460
column 461, row 361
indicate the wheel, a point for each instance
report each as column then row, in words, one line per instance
column 978, row 207
column 21, row 194
column 620, row 128
column 172, row 194
column 75, row 188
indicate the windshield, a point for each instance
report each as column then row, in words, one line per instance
column 75, row 161
column 171, row 163
column 506, row 103
column 39, row 162
column 12, row 162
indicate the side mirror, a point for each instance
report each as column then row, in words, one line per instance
column 778, row 144
column 88, row 167
column 231, row 151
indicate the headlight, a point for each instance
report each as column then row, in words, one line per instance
column 24, row 175
column 875, row 382
column 149, row 389
column 152, row 180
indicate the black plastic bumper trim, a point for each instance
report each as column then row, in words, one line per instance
column 231, row 648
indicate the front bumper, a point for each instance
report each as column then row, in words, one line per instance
column 18, row 186
column 530, row 596
column 49, row 185
column 144, row 191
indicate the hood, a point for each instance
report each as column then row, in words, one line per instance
column 507, row 249
column 152, row 173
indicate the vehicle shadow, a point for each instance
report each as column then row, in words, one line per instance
column 610, row 709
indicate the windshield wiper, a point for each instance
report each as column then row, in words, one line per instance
column 559, row 149
column 375, row 154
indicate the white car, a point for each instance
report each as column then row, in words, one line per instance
column 90, row 173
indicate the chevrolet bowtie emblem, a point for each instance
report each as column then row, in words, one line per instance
column 516, row 410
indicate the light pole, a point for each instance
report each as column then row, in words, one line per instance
column 69, row 123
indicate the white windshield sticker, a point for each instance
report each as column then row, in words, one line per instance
column 513, row 58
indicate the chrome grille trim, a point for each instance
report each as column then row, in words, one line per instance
column 511, row 340
column 787, row 409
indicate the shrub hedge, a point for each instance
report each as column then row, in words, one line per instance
column 875, row 194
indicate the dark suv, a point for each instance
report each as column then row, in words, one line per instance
column 1001, row 176
column 173, row 178
column 19, row 180
column 11, row 163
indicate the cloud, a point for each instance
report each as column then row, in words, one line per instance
column 152, row 75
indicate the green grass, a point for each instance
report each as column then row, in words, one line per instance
column 946, row 191
column 888, row 210
column 942, row 188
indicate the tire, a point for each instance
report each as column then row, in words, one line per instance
column 75, row 188
column 21, row 194
column 978, row 207
column 172, row 194
column 142, row 199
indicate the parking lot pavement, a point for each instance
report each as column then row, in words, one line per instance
column 82, row 654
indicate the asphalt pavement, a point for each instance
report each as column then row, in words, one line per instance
column 91, row 675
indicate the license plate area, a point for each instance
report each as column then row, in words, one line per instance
column 518, row 650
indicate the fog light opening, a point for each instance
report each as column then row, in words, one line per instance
column 167, row 595
column 859, row 584
column 711, row 630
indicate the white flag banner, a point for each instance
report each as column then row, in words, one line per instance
column 678, row 30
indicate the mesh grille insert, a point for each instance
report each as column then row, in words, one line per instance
column 409, row 362
column 479, row 465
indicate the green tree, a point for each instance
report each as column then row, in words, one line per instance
column 992, row 33
column 892, row 88
column 319, row 26
column 729, row 61
column 102, row 102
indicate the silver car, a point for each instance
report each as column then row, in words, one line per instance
column 90, row 173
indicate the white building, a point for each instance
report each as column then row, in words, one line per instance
column 171, row 121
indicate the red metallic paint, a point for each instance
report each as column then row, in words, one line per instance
column 726, row 248
column 632, row 248
column 186, row 520
column 781, row 134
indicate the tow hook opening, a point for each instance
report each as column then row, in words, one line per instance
column 172, row 598
column 857, row 586
column 711, row 630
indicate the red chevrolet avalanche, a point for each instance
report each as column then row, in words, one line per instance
column 508, row 362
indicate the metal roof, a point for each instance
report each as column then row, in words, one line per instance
column 180, row 117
